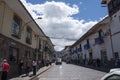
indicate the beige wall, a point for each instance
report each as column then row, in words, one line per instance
column 5, row 28
column 7, row 23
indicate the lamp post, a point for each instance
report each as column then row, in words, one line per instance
column 29, row 22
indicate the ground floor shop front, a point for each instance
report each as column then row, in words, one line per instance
column 14, row 51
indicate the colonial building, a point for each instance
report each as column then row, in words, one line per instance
column 20, row 36
column 94, row 44
column 114, row 14
column 66, row 54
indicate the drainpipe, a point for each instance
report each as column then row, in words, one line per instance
column 111, row 41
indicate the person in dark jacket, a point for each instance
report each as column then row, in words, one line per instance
column 20, row 67
column 34, row 64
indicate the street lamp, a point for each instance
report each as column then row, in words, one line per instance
column 33, row 20
column 29, row 22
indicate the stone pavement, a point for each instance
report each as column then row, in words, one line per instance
column 30, row 77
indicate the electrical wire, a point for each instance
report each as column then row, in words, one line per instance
column 71, row 39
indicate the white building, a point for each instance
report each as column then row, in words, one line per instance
column 94, row 44
column 114, row 14
column 66, row 53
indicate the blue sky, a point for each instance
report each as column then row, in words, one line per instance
column 89, row 9
column 65, row 21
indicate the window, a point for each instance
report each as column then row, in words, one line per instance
column 80, row 47
column 113, row 77
column 87, row 41
column 29, row 35
column 101, row 34
column 104, row 57
column 40, row 44
column 16, row 26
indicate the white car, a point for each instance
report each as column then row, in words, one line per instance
column 114, row 74
column 58, row 61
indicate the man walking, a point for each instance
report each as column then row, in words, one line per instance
column 28, row 66
column 34, row 63
column 5, row 69
column 20, row 67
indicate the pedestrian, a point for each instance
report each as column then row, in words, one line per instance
column 1, row 60
column 20, row 67
column 39, row 63
column 5, row 69
column 27, row 65
column 50, row 62
column 42, row 63
column 98, row 62
column 34, row 64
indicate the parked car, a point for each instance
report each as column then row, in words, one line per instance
column 114, row 74
column 58, row 61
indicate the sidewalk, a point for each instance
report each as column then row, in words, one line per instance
column 30, row 77
column 101, row 68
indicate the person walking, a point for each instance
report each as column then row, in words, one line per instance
column 98, row 62
column 39, row 63
column 34, row 64
column 20, row 67
column 5, row 70
column 28, row 65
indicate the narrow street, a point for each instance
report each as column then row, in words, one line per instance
column 35, row 33
column 70, row 72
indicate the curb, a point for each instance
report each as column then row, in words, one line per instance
column 40, row 73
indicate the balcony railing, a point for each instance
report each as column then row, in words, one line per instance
column 99, row 40
column 87, row 46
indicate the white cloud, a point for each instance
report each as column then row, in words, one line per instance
column 57, row 21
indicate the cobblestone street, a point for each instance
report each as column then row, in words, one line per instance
column 70, row 72
column 59, row 40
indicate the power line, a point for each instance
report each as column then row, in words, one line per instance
column 71, row 39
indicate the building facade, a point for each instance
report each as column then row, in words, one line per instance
column 114, row 14
column 20, row 36
column 94, row 45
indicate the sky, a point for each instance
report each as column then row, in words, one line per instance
column 65, row 21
